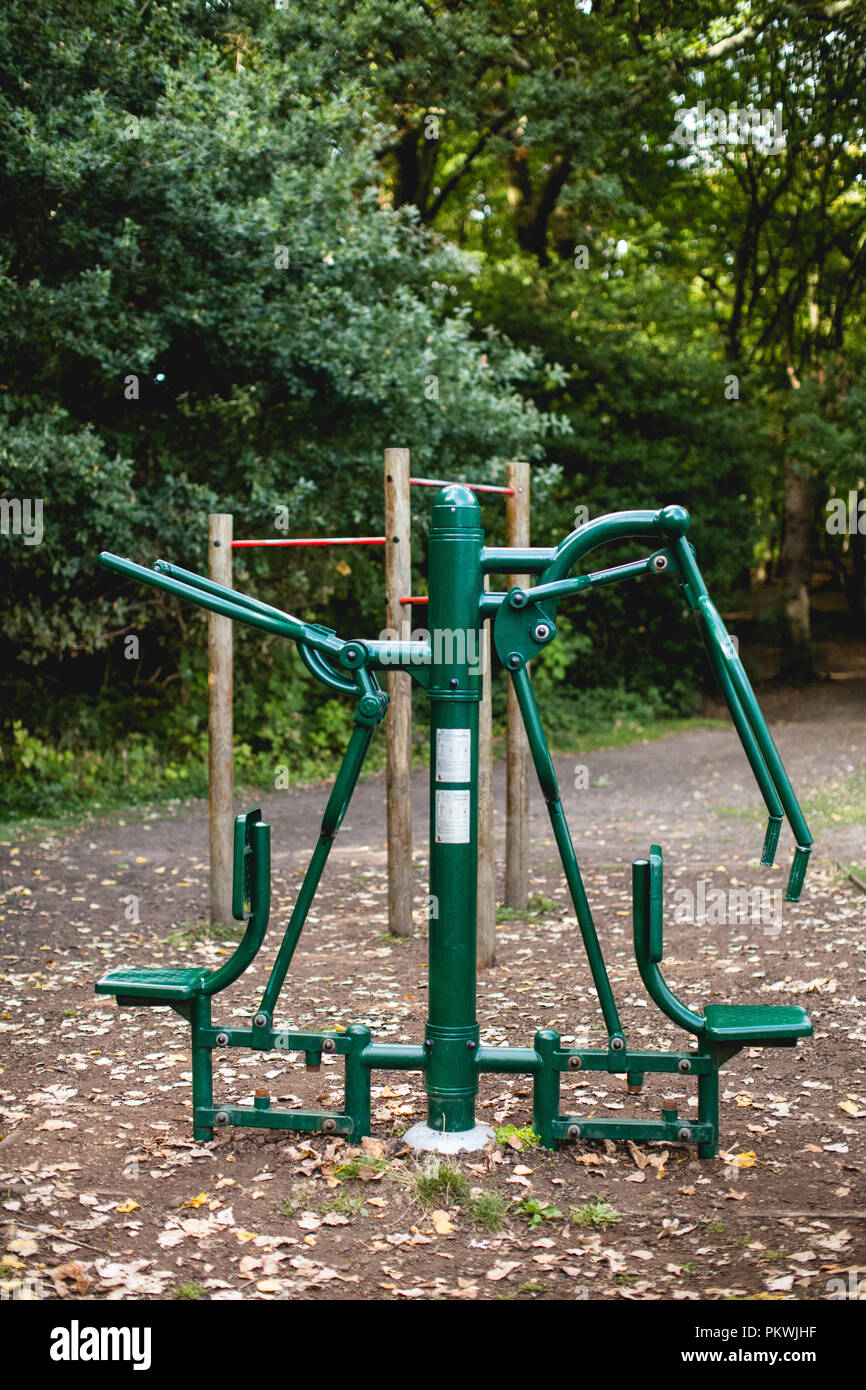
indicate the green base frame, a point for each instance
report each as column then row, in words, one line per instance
column 545, row 1063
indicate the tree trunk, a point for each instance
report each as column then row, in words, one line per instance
column 798, row 662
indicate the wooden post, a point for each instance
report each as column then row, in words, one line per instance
column 220, row 731
column 486, row 939
column 398, row 725
column 517, row 764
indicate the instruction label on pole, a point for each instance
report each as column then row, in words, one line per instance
column 452, row 818
column 453, row 755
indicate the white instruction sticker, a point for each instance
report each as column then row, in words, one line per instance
column 452, row 818
column 453, row 755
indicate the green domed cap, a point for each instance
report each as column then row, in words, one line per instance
column 674, row 521
column 456, row 506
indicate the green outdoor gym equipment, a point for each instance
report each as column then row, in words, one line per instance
column 451, row 1056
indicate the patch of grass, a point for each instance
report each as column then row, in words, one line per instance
column 354, row 1167
column 595, row 740
column 716, row 1227
column 531, row 1287
column 723, row 808
column 535, row 1212
column 527, row 1136
column 625, row 1279
column 344, row 1205
column 596, row 1213
column 488, row 1209
column 439, row 1184
column 190, row 1290
column 197, row 929
column 69, row 1013
column 389, row 939
column 850, row 873
column 840, row 801
column 536, row 906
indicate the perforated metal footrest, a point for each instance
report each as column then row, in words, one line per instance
column 762, row 1025
column 154, row 986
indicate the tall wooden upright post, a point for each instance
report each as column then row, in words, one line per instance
column 220, row 728
column 517, row 757
column 486, row 928
column 398, row 725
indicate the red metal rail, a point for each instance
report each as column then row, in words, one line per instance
column 316, row 540
column 422, row 599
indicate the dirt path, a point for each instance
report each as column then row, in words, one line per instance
column 107, row 1196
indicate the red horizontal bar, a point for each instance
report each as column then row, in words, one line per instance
column 473, row 487
column 317, row 540
column 414, row 600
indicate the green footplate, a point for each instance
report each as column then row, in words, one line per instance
column 763, row 1025
column 168, row 984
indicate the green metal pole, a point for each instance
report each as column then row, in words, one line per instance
column 202, row 1067
column 451, row 1036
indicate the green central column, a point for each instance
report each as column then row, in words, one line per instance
column 451, row 1039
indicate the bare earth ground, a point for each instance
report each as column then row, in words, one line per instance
column 106, row 1196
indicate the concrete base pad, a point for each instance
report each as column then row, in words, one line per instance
column 426, row 1140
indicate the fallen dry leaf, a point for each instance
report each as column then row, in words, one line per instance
column 441, row 1223
column 373, row 1148
column 746, row 1160
column 23, row 1245
column 74, row 1272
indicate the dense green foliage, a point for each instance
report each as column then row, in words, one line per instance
column 244, row 247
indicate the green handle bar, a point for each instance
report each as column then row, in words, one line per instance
column 315, row 643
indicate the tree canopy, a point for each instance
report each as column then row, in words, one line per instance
column 245, row 247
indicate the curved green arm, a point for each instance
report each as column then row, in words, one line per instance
column 316, row 663
column 259, row 882
column 666, row 524
column 656, row 987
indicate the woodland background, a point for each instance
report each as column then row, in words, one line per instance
column 245, row 247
